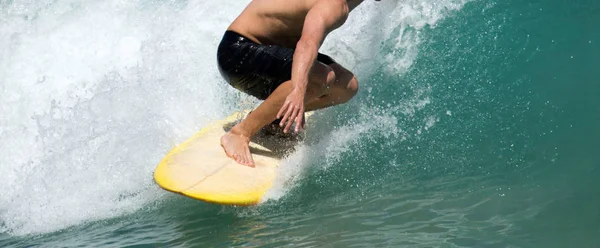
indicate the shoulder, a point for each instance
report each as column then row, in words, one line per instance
column 336, row 9
column 332, row 5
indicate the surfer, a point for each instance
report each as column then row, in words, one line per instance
column 270, row 51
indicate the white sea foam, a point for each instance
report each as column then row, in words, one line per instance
column 94, row 93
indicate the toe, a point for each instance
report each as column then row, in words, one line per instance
column 239, row 159
column 249, row 159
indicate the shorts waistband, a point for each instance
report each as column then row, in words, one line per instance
column 232, row 36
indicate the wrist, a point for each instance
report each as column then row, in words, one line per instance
column 299, row 89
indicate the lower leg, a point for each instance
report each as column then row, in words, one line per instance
column 322, row 102
column 236, row 141
column 265, row 113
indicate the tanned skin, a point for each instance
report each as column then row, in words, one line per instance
column 302, row 25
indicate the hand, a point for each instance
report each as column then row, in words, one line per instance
column 292, row 111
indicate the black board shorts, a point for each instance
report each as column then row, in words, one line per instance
column 253, row 68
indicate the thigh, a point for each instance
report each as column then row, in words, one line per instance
column 255, row 69
column 344, row 78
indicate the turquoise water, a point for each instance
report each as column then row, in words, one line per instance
column 476, row 126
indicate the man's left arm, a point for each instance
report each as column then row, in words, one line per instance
column 325, row 16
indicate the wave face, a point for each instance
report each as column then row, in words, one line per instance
column 475, row 125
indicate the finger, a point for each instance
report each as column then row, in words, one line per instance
column 287, row 117
column 282, row 117
column 285, row 113
column 299, row 118
column 291, row 120
column 282, row 109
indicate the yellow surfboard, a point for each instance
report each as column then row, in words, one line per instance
column 199, row 168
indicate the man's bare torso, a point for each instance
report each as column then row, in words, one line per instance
column 273, row 22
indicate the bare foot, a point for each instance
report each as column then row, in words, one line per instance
column 236, row 146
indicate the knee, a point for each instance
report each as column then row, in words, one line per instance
column 349, row 91
column 352, row 87
column 330, row 79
